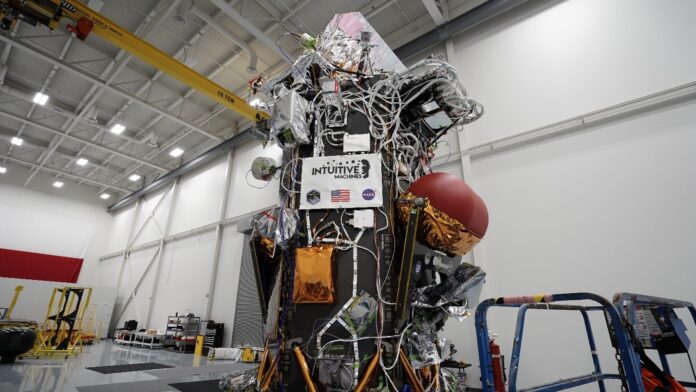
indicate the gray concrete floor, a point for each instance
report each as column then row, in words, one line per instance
column 58, row 375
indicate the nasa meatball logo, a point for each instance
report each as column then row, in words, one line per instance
column 368, row 194
column 313, row 197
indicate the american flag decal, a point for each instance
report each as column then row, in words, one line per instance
column 340, row 195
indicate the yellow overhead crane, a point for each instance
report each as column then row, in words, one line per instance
column 85, row 20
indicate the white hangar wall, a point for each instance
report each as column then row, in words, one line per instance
column 604, row 206
column 196, row 217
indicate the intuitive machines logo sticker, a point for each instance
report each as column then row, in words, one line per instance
column 356, row 168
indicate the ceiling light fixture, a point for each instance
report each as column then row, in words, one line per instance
column 176, row 152
column 58, row 184
column 105, row 196
column 40, row 99
column 3, row 170
column 82, row 161
column 17, row 141
column 117, row 129
column 134, row 177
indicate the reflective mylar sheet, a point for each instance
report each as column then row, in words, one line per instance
column 314, row 280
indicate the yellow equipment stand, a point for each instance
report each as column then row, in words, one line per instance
column 55, row 338
column 248, row 355
column 8, row 312
column 198, row 350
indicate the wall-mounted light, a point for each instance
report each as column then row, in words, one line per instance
column 17, row 141
column 134, row 177
column 82, row 161
column 117, row 129
column 176, row 152
column 40, row 99
column 58, row 184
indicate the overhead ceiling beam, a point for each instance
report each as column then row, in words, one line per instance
column 369, row 12
column 153, row 19
column 434, row 12
column 81, row 140
column 183, row 132
column 187, row 167
column 201, row 14
column 43, row 145
column 61, row 109
column 216, row 110
column 462, row 22
column 250, row 27
column 62, row 173
column 119, row 62
column 47, row 81
column 124, row 94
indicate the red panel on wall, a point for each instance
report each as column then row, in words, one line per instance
column 38, row 266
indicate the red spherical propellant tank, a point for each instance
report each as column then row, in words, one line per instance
column 451, row 195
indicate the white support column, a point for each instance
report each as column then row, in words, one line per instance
column 126, row 254
column 218, row 235
column 434, row 12
column 467, row 173
column 160, row 255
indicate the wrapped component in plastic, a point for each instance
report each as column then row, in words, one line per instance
column 263, row 168
column 287, row 226
column 458, row 312
column 439, row 88
column 289, row 122
column 314, row 280
column 335, row 374
column 361, row 313
column 439, row 230
column 453, row 290
column 277, row 225
column 444, row 264
column 239, row 382
column 455, row 382
column 423, row 349
column 340, row 43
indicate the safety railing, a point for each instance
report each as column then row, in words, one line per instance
column 630, row 369
column 626, row 304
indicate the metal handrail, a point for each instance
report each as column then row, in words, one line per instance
column 625, row 304
column 630, row 368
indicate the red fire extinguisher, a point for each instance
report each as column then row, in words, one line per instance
column 498, row 362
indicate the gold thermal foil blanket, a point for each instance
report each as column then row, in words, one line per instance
column 438, row 229
column 314, row 281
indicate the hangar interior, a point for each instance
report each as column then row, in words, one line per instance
column 330, row 195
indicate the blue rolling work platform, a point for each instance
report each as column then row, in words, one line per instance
column 630, row 371
column 655, row 326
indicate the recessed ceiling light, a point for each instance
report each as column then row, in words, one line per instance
column 3, row 170
column 82, row 161
column 176, row 152
column 134, row 177
column 58, row 184
column 117, row 129
column 17, row 141
column 40, row 99
column 105, row 196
